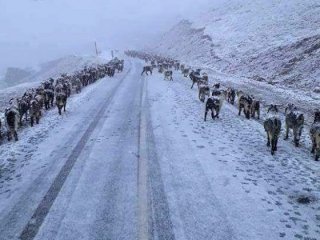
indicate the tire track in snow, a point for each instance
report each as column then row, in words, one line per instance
column 32, row 227
column 154, row 213
column 143, row 206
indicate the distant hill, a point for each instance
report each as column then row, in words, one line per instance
column 54, row 68
column 16, row 76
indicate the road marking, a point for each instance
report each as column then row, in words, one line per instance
column 31, row 229
column 143, row 216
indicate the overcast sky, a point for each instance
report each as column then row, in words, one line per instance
column 34, row 31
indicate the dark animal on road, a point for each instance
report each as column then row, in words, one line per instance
column 195, row 77
column 12, row 122
column 161, row 69
column 176, row 66
column 1, row 132
column 255, row 108
column 231, row 95
column 23, row 108
column 35, row 112
column 204, row 90
column 185, row 72
column 168, row 75
column 272, row 126
column 48, row 98
column 78, row 85
column 244, row 103
column 216, row 85
column 61, row 101
column 67, row 88
column 214, row 104
column 294, row 120
column 205, row 78
column 147, row 69
column 40, row 97
column 315, row 135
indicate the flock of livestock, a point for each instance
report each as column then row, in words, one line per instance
column 50, row 92
column 213, row 96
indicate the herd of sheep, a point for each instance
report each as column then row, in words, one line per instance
column 213, row 96
column 30, row 106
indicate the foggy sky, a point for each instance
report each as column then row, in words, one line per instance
column 34, row 31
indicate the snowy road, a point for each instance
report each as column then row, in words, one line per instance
column 133, row 159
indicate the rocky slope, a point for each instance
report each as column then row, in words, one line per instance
column 273, row 41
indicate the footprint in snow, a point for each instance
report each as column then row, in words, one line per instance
column 282, row 234
column 200, row 146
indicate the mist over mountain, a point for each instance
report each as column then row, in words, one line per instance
column 33, row 32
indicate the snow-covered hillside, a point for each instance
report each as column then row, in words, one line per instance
column 46, row 70
column 52, row 69
column 275, row 41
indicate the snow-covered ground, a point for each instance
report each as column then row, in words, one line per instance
column 220, row 179
column 133, row 154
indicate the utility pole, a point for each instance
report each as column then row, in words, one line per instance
column 97, row 52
